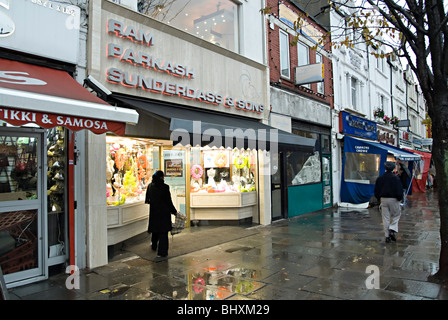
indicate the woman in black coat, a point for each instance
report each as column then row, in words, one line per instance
column 161, row 207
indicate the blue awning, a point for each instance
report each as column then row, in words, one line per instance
column 360, row 192
column 400, row 153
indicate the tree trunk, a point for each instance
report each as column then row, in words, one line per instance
column 439, row 116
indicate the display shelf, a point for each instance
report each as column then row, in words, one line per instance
column 223, row 206
column 126, row 221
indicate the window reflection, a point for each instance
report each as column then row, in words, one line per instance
column 212, row 20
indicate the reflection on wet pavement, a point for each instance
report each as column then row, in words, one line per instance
column 319, row 256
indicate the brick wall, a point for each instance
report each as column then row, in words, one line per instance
column 274, row 60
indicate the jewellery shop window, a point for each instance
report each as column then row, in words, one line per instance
column 222, row 170
column 129, row 169
column 57, row 190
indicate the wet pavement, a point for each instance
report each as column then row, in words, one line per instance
column 332, row 254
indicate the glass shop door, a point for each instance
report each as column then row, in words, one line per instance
column 22, row 199
column 174, row 167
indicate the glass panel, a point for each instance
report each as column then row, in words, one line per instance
column 174, row 168
column 303, row 54
column 326, row 179
column 212, row 20
column 284, row 54
column 276, row 203
column 224, row 170
column 18, row 241
column 320, row 85
column 325, row 144
column 129, row 169
column 18, row 168
column 361, row 167
column 302, row 168
column 56, row 190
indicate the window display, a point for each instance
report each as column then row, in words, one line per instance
column 18, row 168
column 361, row 167
column 303, row 168
column 129, row 169
column 222, row 170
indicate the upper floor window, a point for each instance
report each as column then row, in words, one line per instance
column 320, row 85
column 380, row 64
column 212, row 20
column 303, row 56
column 354, row 88
column 284, row 54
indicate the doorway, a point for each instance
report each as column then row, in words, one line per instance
column 278, row 188
column 22, row 204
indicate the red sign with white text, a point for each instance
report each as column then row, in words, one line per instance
column 18, row 117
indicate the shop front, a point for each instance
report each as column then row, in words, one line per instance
column 363, row 163
column 201, row 121
column 41, row 109
column 363, row 159
column 308, row 174
column 212, row 162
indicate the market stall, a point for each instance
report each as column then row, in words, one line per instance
column 362, row 164
column 421, row 171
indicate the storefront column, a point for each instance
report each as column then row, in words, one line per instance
column 95, row 200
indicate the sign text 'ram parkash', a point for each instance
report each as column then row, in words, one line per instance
column 141, row 59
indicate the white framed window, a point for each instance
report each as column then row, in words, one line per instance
column 354, row 93
column 303, row 56
column 380, row 64
column 212, row 20
column 320, row 85
column 381, row 101
column 284, row 55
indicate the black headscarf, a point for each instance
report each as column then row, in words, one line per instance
column 158, row 177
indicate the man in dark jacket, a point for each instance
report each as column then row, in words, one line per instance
column 161, row 207
column 389, row 191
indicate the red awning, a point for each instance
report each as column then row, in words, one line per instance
column 49, row 98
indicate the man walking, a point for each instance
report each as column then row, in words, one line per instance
column 389, row 191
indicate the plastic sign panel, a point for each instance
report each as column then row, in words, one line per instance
column 309, row 73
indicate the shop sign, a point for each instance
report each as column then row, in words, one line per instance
column 174, row 167
column 356, row 126
column 19, row 117
column 144, row 61
column 289, row 17
column 40, row 27
column 405, row 139
column 387, row 136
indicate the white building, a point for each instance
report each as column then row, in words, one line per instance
column 364, row 83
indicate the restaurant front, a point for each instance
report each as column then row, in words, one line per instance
column 43, row 111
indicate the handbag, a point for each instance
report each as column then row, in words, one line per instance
column 21, row 164
column 179, row 223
